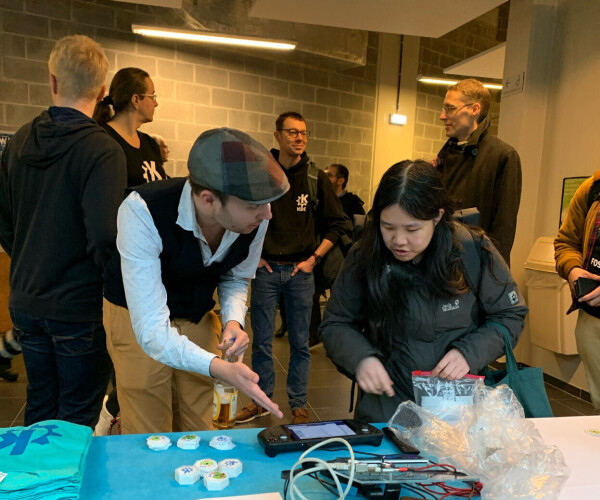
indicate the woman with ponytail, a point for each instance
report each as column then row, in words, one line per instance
column 405, row 299
column 129, row 104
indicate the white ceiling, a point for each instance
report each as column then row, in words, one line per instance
column 487, row 64
column 429, row 18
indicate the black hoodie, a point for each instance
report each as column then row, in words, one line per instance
column 291, row 235
column 62, row 179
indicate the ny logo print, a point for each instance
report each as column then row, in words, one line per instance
column 150, row 172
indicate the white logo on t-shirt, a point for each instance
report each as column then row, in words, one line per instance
column 150, row 172
column 302, row 201
column 450, row 307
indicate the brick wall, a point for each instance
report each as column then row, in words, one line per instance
column 198, row 87
column 435, row 55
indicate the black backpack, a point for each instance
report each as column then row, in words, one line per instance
column 334, row 259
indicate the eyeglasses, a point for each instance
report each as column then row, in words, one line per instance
column 151, row 96
column 293, row 132
column 449, row 109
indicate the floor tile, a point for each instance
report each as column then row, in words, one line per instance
column 16, row 389
column 556, row 393
column 561, row 410
column 10, row 407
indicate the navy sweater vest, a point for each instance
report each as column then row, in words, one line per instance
column 190, row 285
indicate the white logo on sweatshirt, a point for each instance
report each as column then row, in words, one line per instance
column 302, row 202
column 150, row 172
column 449, row 307
column 513, row 297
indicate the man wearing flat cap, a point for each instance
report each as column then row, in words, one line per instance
column 178, row 240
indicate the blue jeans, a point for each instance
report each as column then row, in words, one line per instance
column 68, row 368
column 297, row 294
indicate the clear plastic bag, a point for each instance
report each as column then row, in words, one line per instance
column 491, row 440
column 442, row 397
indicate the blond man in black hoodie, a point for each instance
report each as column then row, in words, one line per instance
column 62, row 179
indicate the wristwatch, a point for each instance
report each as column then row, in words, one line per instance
column 318, row 258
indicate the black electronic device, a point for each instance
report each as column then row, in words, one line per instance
column 583, row 286
column 402, row 445
column 295, row 437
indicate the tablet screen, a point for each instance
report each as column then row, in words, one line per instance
column 320, row 430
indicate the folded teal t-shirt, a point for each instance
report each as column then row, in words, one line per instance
column 45, row 458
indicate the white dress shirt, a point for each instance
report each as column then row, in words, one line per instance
column 140, row 247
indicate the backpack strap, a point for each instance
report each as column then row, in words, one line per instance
column 471, row 257
column 312, row 175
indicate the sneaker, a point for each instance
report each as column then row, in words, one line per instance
column 249, row 413
column 105, row 422
column 300, row 416
column 6, row 371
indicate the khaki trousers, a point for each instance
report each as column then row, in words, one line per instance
column 155, row 398
column 587, row 335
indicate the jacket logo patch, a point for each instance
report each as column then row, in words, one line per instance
column 451, row 307
column 302, row 202
column 513, row 297
column 150, row 172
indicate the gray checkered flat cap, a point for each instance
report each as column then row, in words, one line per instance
column 233, row 163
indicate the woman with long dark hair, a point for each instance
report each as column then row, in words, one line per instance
column 411, row 297
column 129, row 104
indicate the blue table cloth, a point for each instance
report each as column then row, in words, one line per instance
column 124, row 467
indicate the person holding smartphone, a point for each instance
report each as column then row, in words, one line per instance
column 577, row 255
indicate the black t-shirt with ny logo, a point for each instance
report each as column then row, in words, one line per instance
column 144, row 164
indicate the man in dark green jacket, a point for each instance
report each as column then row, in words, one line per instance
column 478, row 169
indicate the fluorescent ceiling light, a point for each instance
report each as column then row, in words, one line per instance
column 198, row 36
column 444, row 81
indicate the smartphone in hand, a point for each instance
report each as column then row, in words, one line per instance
column 583, row 286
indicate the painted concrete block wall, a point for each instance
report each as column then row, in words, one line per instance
column 437, row 54
column 198, row 87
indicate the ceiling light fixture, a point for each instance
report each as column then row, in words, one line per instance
column 198, row 36
column 444, row 81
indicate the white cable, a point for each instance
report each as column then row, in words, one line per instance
column 323, row 465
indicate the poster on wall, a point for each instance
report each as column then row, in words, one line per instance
column 570, row 185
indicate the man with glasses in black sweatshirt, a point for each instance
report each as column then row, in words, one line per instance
column 290, row 253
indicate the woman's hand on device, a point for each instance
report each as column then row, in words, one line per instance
column 452, row 366
column 372, row 377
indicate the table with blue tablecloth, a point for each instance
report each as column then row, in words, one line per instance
column 124, row 467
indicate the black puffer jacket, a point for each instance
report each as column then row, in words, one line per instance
column 432, row 326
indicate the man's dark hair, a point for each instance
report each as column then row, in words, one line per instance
column 197, row 189
column 125, row 84
column 288, row 114
column 341, row 172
